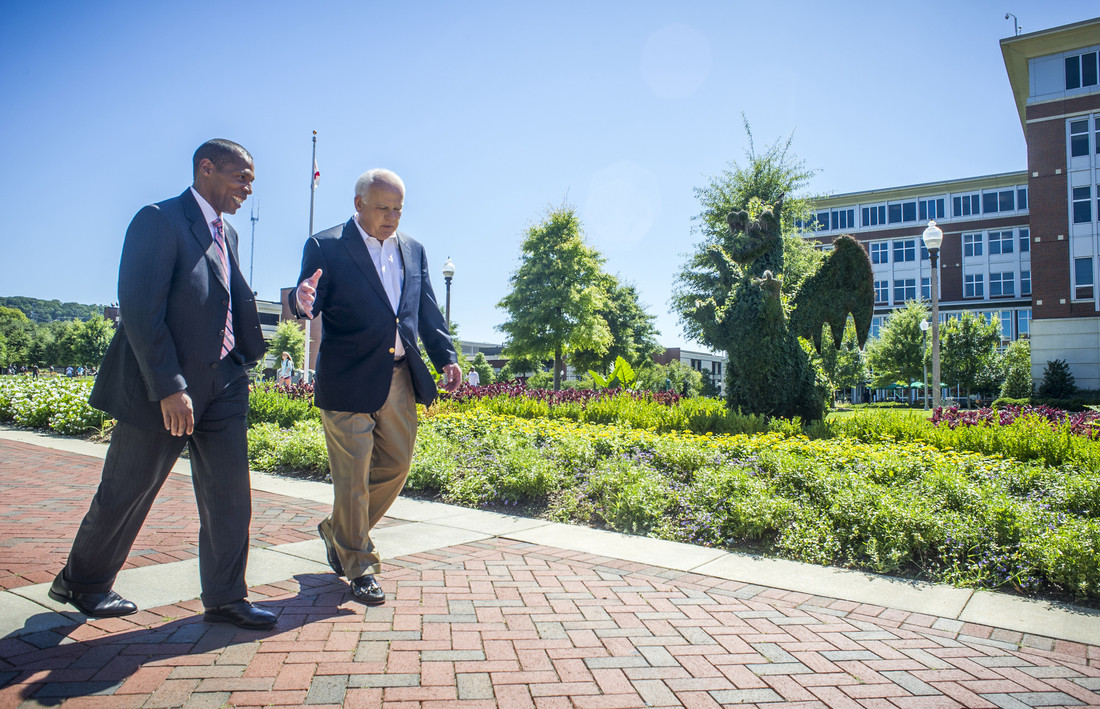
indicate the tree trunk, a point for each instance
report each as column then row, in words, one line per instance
column 557, row 369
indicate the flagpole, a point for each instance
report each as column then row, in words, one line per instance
column 312, row 189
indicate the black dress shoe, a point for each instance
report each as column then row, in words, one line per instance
column 241, row 614
column 330, row 551
column 97, row 605
column 367, row 591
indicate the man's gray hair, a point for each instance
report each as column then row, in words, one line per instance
column 378, row 176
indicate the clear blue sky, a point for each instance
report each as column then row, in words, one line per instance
column 490, row 111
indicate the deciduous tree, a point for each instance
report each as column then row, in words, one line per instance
column 897, row 355
column 968, row 349
column 633, row 335
column 554, row 306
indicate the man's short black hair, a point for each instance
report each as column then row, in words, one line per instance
column 220, row 152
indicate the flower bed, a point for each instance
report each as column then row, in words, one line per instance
column 1028, row 436
column 1085, row 423
column 910, row 509
column 57, row 403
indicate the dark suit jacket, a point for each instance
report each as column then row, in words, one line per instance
column 172, row 300
column 355, row 362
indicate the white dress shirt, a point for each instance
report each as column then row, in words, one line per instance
column 387, row 260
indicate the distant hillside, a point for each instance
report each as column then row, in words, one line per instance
column 44, row 311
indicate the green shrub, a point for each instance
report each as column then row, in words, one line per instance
column 297, row 449
column 630, row 497
column 269, row 405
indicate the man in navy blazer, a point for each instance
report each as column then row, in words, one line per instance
column 370, row 284
column 176, row 373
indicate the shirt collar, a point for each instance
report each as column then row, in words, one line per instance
column 367, row 238
column 208, row 212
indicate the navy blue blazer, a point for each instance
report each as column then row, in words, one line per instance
column 173, row 299
column 359, row 326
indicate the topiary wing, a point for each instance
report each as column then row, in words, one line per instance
column 843, row 285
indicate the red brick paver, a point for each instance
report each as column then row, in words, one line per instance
column 501, row 623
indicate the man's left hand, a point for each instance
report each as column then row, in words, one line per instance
column 452, row 377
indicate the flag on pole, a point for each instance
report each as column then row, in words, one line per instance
column 316, row 174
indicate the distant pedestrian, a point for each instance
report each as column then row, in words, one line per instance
column 473, row 378
column 286, row 369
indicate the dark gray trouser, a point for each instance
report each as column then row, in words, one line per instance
column 138, row 462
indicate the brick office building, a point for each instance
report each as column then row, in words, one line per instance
column 1021, row 246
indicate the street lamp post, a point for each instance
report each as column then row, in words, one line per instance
column 924, row 338
column 933, row 237
column 448, row 274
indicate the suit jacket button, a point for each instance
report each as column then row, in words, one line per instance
column 221, row 334
column 214, row 366
column 391, row 350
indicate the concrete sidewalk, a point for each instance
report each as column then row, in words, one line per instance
column 487, row 609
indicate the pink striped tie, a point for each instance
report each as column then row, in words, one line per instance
column 223, row 255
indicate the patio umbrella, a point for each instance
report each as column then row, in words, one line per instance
column 916, row 385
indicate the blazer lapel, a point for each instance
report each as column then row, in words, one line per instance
column 357, row 250
column 407, row 257
column 201, row 231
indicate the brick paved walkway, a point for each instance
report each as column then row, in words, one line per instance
column 497, row 622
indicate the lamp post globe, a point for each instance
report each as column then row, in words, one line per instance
column 933, row 238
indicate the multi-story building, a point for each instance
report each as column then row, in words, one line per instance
column 1021, row 246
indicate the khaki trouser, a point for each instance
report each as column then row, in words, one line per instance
column 369, row 457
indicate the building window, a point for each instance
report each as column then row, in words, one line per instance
column 905, row 250
column 1025, row 241
column 882, row 291
column 965, row 205
column 1025, row 282
column 1082, row 204
column 1000, row 242
column 930, row 208
column 1023, row 323
column 874, row 216
column 901, row 212
column 972, row 244
column 822, row 221
column 1081, row 71
column 1021, row 198
column 1003, row 201
column 880, row 252
column 843, row 219
column 974, row 285
column 926, row 288
column 905, row 289
column 1082, row 278
column 1002, row 284
column 876, row 325
column 1078, row 138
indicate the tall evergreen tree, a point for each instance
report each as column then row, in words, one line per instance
column 554, row 306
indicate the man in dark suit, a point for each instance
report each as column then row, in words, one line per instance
column 370, row 283
column 176, row 373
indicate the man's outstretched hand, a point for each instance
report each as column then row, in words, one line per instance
column 307, row 293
